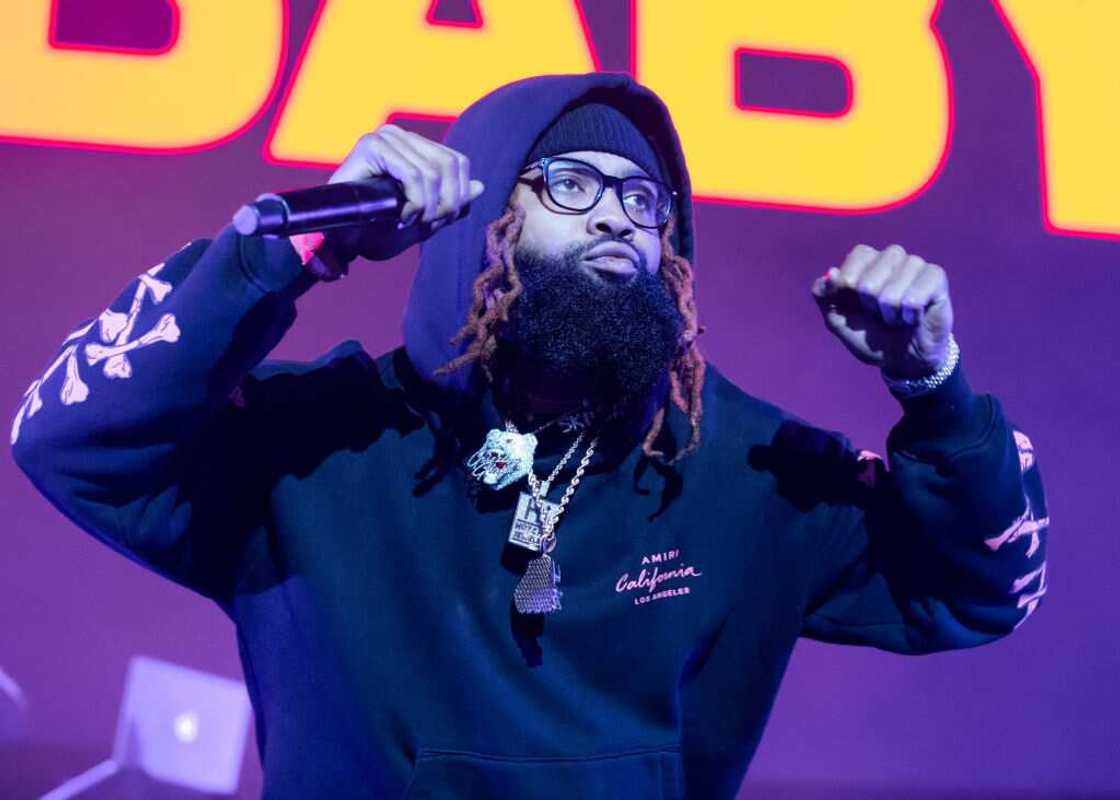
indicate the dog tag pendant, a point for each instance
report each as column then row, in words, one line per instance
column 538, row 590
column 527, row 529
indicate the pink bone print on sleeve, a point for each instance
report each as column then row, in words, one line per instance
column 114, row 329
column 1026, row 524
column 1030, row 599
column 73, row 390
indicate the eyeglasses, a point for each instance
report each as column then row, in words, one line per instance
column 578, row 186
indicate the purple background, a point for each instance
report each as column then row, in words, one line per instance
column 1029, row 716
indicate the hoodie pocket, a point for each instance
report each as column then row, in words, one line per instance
column 653, row 774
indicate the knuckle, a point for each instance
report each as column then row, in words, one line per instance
column 914, row 300
column 891, row 298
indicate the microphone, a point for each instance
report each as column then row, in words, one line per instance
column 333, row 205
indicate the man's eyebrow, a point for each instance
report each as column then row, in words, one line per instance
column 633, row 172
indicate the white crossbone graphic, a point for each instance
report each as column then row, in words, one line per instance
column 117, row 364
column 73, row 389
column 1029, row 599
column 114, row 328
column 1026, row 524
column 1025, row 448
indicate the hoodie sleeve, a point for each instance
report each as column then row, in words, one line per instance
column 130, row 430
column 944, row 549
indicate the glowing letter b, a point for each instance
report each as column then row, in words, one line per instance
column 885, row 149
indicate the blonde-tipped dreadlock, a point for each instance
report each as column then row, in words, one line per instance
column 500, row 274
column 686, row 372
column 501, row 281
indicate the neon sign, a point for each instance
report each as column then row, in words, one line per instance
column 221, row 72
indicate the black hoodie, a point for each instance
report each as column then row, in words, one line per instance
column 325, row 507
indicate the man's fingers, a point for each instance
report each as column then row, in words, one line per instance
column 383, row 156
column 876, row 274
column 929, row 287
column 890, row 295
column 903, row 277
column 389, row 152
column 432, row 171
column 879, row 281
column 360, row 162
column 447, row 189
column 819, row 288
column 463, row 172
column 454, row 174
column 468, row 189
column 435, row 179
column 376, row 154
column 860, row 257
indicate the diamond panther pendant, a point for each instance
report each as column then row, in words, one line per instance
column 504, row 458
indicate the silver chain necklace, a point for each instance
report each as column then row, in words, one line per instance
column 538, row 591
column 504, row 458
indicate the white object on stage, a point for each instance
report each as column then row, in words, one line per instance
column 180, row 727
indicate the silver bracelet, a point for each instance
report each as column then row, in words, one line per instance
column 920, row 386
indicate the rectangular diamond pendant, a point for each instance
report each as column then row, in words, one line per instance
column 538, row 591
column 528, row 522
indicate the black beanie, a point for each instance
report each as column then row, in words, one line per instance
column 597, row 126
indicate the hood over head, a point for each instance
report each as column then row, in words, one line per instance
column 497, row 134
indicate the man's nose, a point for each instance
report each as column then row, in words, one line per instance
column 608, row 217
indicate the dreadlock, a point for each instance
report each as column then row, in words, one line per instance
column 500, row 273
column 686, row 372
column 500, row 280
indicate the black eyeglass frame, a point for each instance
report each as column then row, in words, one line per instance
column 605, row 181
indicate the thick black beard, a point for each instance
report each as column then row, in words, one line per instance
column 613, row 342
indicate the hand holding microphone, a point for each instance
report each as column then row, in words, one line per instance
column 360, row 210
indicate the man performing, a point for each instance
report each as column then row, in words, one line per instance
column 542, row 550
